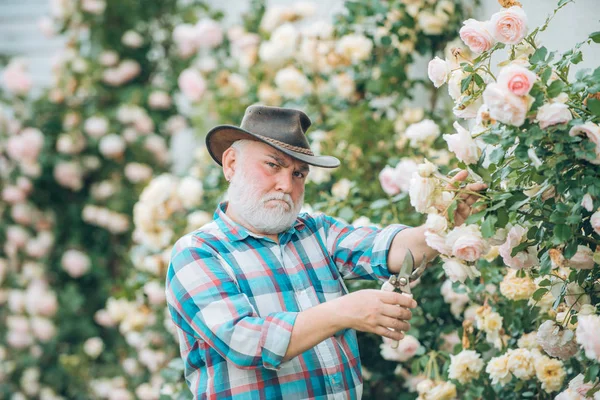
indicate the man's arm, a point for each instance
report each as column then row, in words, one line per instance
column 413, row 239
column 365, row 310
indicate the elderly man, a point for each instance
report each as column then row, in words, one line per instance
column 258, row 295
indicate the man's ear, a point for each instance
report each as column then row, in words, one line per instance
column 229, row 161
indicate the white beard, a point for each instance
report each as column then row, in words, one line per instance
column 249, row 205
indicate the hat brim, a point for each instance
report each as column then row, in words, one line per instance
column 221, row 137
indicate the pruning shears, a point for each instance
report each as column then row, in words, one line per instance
column 406, row 275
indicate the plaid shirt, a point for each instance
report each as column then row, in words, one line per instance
column 234, row 297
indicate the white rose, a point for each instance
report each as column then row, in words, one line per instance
column 132, row 39
column 592, row 131
column 463, row 145
column 96, row 127
column 93, row 347
column 75, row 263
column 109, row 58
column 42, row 328
column 467, row 243
column 292, row 83
column 505, row 106
column 465, row 366
column 422, row 132
column 595, row 221
column 438, row 71
column 458, row 271
column 354, row 47
column 421, row 192
column 136, row 172
column 190, row 192
column 112, row 146
column 432, row 24
column 198, row 219
column 341, row 189
column 209, row 33
column 583, row 258
column 436, row 223
column 553, row 114
column 155, row 292
column 455, row 83
column 587, row 202
column 159, row 100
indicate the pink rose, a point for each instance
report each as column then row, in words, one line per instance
column 595, row 221
column 422, row 132
column 592, row 131
column 583, row 258
column 407, row 349
column 93, row 6
column 509, row 26
column 25, row 184
column 75, row 263
column 467, row 243
column 155, row 292
column 208, row 34
column 387, row 178
column 553, row 114
column 17, row 236
column 523, row 259
column 476, row 35
column 22, row 214
column 144, row 124
column 438, row 71
column 129, row 69
column 43, row 328
column 192, row 84
column 463, row 145
column 16, row 79
column 136, row 172
column 516, row 79
column 504, row 106
column 588, row 327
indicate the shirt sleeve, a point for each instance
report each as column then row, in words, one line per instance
column 205, row 302
column 359, row 252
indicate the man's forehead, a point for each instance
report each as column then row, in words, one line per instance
column 265, row 149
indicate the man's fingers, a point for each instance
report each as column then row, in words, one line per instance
column 385, row 332
column 396, row 312
column 476, row 187
column 393, row 323
column 398, row 298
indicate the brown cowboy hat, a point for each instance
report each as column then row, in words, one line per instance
column 281, row 128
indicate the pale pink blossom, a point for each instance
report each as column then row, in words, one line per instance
column 458, row 271
column 209, row 33
column 144, row 124
column 387, row 179
column 136, row 172
column 396, row 180
column 155, row 292
column 69, row 175
column 132, row 39
column 467, row 243
column 422, row 132
column 553, row 114
column 109, row 58
column 587, row 202
column 422, row 192
column 159, row 100
column 588, row 327
column 577, row 389
column 93, row 6
column 556, row 341
column 24, row 184
column 129, row 69
column 112, row 146
column 595, row 221
column 504, row 106
column 576, row 296
column 463, row 145
column 192, row 84
column 22, row 213
column 39, row 300
column 13, row 195
column 26, row 146
column 96, row 127
column 17, row 235
column 516, row 79
column 75, row 263
column 523, row 259
column 16, row 79
column 583, row 258
column 184, row 36
column 509, row 26
column 438, row 71
column 438, row 243
column 477, row 35
column 42, row 328
column 592, row 131
column 407, row 349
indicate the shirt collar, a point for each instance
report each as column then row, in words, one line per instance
column 235, row 231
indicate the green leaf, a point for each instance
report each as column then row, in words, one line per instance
column 555, row 88
column 595, row 36
column 562, row 233
column 545, row 282
column 377, row 204
column 465, row 83
column 452, row 210
column 538, row 294
column 594, row 106
column 539, row 55
column 487, row 228
column 592, row 372
column 562, row 2
column 475, row 217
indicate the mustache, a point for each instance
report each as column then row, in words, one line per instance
column 279, row 196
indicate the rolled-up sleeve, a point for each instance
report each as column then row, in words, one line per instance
column 359, row 252
column 205, row 302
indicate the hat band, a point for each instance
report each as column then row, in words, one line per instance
column 287, row 146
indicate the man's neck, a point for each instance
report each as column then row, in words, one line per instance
column 235, row 218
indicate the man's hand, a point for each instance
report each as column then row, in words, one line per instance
column 465, row 200
column 375, row 311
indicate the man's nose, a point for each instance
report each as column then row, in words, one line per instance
column 285, row 182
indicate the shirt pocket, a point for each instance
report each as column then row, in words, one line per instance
column 329, row 289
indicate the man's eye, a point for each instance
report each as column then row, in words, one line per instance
column 299, row 174
column 272, row 165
